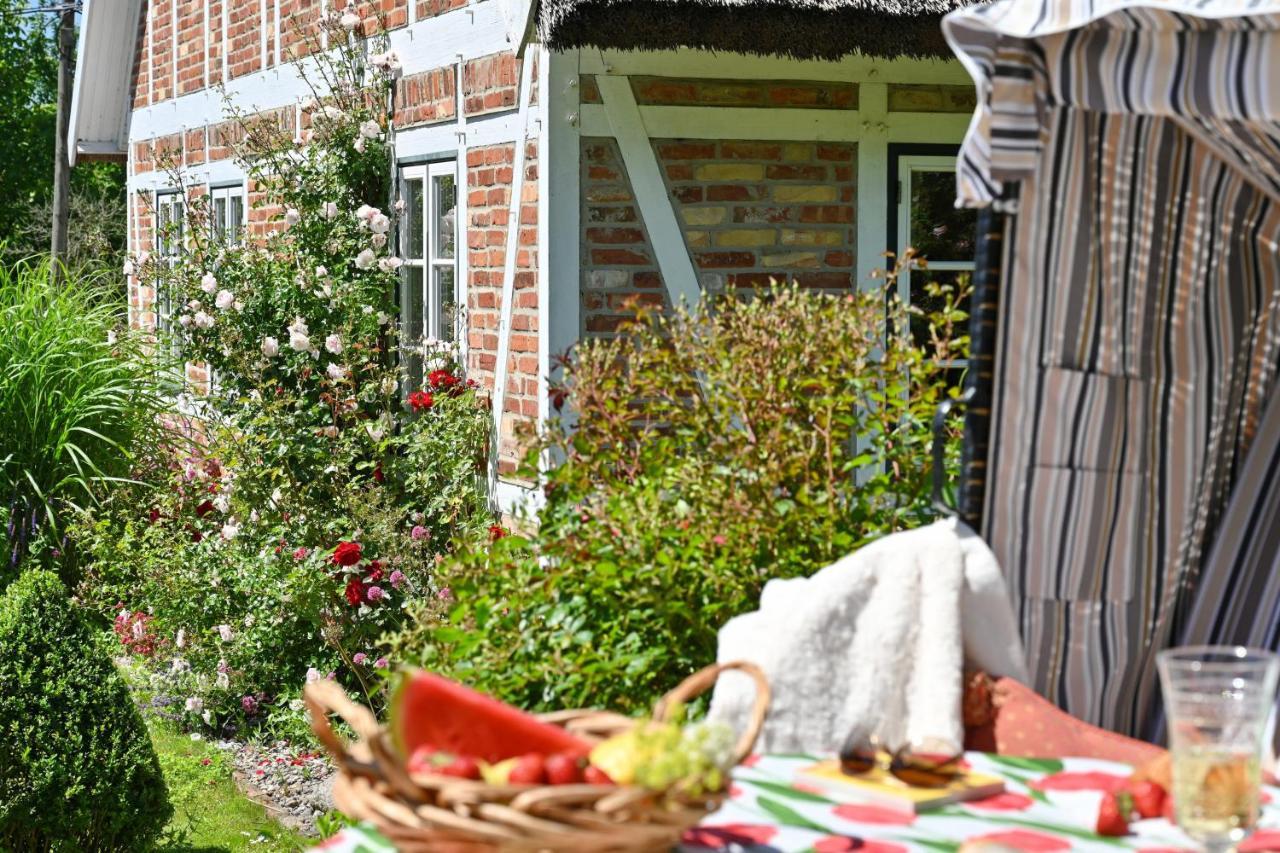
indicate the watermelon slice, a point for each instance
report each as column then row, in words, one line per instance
column 429, row 709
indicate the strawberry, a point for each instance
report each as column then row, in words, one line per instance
column 529, row 770
column 423, row 760
column 1148, row 798
column 563, row 769
column 1113, row 814
column 595, row 776
column 462, row 767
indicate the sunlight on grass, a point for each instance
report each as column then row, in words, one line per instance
column 210, row 814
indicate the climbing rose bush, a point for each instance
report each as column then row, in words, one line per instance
column 306, row 496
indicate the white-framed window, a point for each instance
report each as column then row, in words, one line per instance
column 929, row 222
column 226, row 214
column 429, row 245
column 170, row 224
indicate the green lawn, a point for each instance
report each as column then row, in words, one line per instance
column 210, row 814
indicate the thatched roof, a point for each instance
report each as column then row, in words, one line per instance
column 802, row 29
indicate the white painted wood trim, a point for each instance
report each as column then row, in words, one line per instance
column 500, row 367
column 217, row 172
column 462, row 285
column 425, row 140
column 544, row 228
column 687, row 62
column 638, row 158
column 562, row 186
column 472, row 31
column 872, row 232
column 662, row 122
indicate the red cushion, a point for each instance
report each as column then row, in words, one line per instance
column 1023, row 723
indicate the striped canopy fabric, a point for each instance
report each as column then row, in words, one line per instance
column 1139, row 325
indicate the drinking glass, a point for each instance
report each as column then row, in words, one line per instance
column 1217, row 700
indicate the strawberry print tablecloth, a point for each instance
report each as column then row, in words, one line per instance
column 1048, row 805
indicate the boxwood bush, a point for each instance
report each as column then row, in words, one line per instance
column 77, row 770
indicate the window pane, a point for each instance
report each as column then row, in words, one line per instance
column 412, row 309
column 220, row 219
column 413, row 219
column 930, row 303
column 939, row 231
column 444, row 216
column 235, row 218
column 446, row 305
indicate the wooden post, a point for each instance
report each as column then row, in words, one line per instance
column 61, row 158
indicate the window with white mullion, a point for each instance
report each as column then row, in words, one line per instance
column 429, row 235
column 940, row 233
column 170, row 222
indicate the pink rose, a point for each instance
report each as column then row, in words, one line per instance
column 397, row 578
column 374, row 593
column 359, row 658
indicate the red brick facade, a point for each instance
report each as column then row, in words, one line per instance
column 750, row 212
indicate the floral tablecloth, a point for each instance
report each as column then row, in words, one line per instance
column 1047, row 805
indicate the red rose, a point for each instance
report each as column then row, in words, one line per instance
column 496, row 532
column 347, row 553
column 204, row 509
column 442, row 379
column 375, row 572
column 377, row 473
column 420, row 400
column 354, row 592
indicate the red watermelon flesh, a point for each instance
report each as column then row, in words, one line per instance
column 429, row 709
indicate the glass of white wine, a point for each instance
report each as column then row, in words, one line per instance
column 1217, row 700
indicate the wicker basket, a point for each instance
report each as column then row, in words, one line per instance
column 446, row 815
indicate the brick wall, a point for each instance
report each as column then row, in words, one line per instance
column 750, row 212
column 191, row 46
column 431, row 8
column 244, row 38
column 161, row 50
column 426, row 97
column 489, row 180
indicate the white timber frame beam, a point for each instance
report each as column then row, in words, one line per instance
column 501, row 367
column 650, row 190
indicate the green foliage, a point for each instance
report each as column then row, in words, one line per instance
column 28, row 90
column 77, row 771
column 97, row 222
column 711, row 451
column 210, row 813
column 77, row 399
column 223, row 576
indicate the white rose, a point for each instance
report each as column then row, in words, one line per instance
column 321, row 272
column 128, row 267
column 383, row 318
column 333, row 344
column 181, row 640
column 276, row 496
column 224, row 631
column 366, row 259
column 399, row 205
column 208, row 283
column 111, row 337
column 308, row 104
column 390, row 264
column 207, row 716
column 270, row 347
column 329, row 210
column 203, row 320
column 224, row 299
column 336, row 372
column 238, row 305
column 222, row 502
column 349, row 21
column 296, row 704
column 313, row 675
column 389, row 385
column 222, row 681
column 364, row 212
column 378, row 240
column 359, row 145
column 379, row 223
column 230, row 530
column 370, row 129
column 144, row 256
column 368, row 309
column 291, row 216
column 329, row 432
column 194, row 704
column 299, row 341
column 184, row 320
column 299, row 326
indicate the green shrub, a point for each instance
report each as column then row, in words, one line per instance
column 77, row 399
column 77, row 771
column 711, row 451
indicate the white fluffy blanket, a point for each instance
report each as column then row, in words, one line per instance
column 879, row 638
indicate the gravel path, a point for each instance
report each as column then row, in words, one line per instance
column 295, row 786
